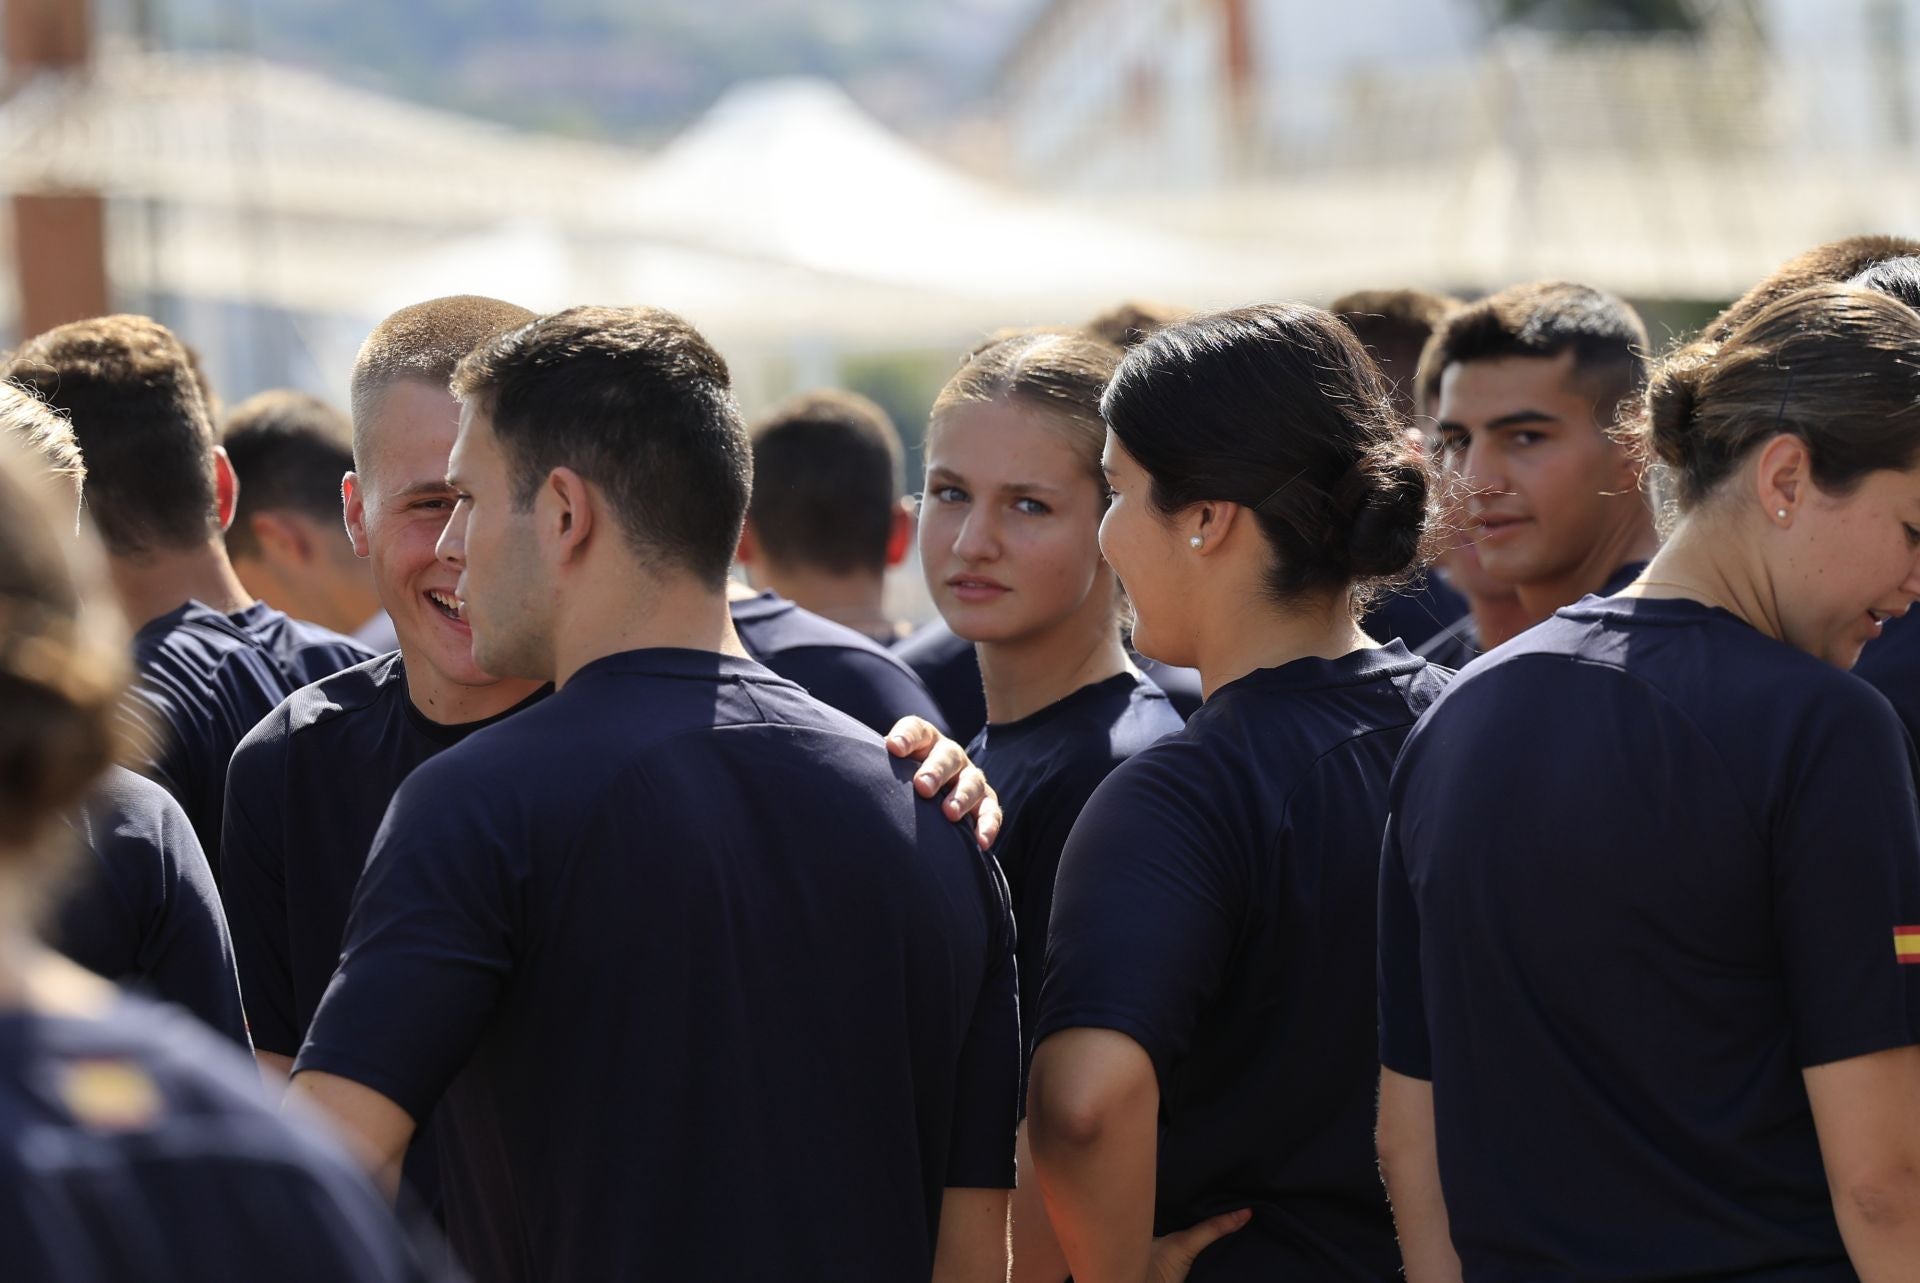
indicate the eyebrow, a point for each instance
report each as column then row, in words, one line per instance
column 419, row 488
column 1514, row 420
column 1016, row 487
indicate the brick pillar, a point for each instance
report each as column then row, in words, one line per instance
column 59, row 239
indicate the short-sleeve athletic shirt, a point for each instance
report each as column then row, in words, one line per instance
column 1216, row 905
column 709, row 992
column 1645, row 866
column 1044, row 767
column 139, row 1146
column 1458, row 644
column 142, row 910
column 202, row 680
column 945, row 663
column 841, row 668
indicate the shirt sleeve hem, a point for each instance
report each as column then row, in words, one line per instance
column 1407, row 1067
column 1120, row 1022
column 1855, row 1044
column 343, row 1065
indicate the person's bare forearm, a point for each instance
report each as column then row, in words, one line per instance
column 1096, row 1174
column 1037, row 1257
column 1880, row 1225
column 1410, row 1165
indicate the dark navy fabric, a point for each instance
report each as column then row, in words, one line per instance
column 306, row 792
column 202, row 680
column 1416, row 613
column 946, row 664
column 139, row 1146
column 1044, row 767
column 1181, row 685
column 1216, row 905
column 678, row 1032
column 1644, row 867
column 836, row 665
column 142, row 909
column 1891, row 663
column 1458, row 644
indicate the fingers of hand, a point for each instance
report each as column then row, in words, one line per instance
column 912, row 737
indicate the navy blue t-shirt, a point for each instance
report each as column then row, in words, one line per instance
column 839, row 667
column 142, row 909
column 1216, row 905
column 306, row 792
column 1415, row 613
column 139, row 1146
column 1458, row 644
column 1891, row 663
column 1644, row 867
column 704, row 989
column 202, row 680
column 945, row 662
column 1044, row 767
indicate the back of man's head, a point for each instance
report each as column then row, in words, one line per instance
column 289, row 450
column 1126, row 325
column 637, row 403
column 1829, row 264
column 423, row 342
column 128, row 388
column 1394, row 326
column 1607, row 338
column 828, row 464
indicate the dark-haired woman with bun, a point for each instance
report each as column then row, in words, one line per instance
column 134, row 1143
column 1650, row 892
column 1206, row 1024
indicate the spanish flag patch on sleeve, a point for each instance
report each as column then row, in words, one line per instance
column 1906, row 944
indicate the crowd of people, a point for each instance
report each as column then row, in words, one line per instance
column 1385, row 796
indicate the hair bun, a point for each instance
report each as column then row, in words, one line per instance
column 1673, row 404
column 1390, row 524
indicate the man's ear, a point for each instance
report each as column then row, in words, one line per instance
column 353, row 505
column 226, row 487
column 899, row 533
column 747, row 551
column 564, row 510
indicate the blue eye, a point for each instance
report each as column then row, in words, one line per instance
column 948, row 494
column 1031, row 507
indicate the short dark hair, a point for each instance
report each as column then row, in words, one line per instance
column 1543, row 319
column 1279, row 409
column 827, row 465
column 126, row 385
column 289, row 449
column 1125, row 325
column 1827, row 264
column 635, row 401
column 1394, row 326
column 1831, row 364
column 424, row 341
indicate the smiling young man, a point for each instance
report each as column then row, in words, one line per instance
column 680, row 1029
column 1526, row 386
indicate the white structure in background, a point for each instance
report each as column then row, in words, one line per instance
column 1383, row 141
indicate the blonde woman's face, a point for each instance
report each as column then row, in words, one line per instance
column 1009, row 527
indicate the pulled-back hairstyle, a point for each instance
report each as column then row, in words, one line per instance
column 423, row 341
column 134, row 401
column 1394, row 326
column 638, row 403
column 32, row 425
column 1828, row 264
column 63, row 660
column 1834, row 365
column 1279, row 409
column 289, row 449
column 1059, row 373
column 1543, row 319
column 1896, row 277
column 828, row 464
column 1125, row 325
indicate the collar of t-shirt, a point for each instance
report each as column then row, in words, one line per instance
column 671, row 661
column 1670, row 612
column 1354, row 668
column 447, row 734
column 768, row 604
column 1620, row 578
column 1091, row 693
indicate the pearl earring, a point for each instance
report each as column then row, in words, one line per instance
column 1196, row 542
column 1780, row 513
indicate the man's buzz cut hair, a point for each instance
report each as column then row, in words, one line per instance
column 424, row 341
column 289, row 450
column 828, row 464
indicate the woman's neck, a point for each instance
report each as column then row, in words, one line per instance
column 1022, row 677
column 1703, row 561
column 1259, row 634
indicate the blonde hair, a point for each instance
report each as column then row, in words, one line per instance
column 1060, row 373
